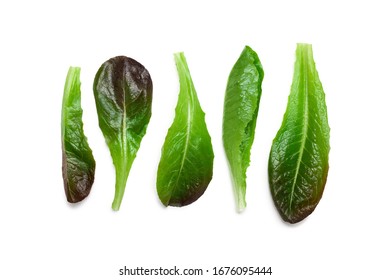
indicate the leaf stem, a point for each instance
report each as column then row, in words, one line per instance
column 120, row 186
column 239, row 194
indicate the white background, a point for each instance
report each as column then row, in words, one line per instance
column 43, row 237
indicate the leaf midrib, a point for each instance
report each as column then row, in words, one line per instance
column 124, row 134
column 188, row 132
column 304, row 132
column 186, row 144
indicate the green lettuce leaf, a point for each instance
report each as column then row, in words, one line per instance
column 123, row 95
column 186, row 165
column 298, row 162
column 78, row 164
column 241, row 107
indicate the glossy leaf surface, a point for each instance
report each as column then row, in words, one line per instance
column 123, row 95
column 241, row 107
column 298, row 163
column 78, row 164
column 186, row 165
